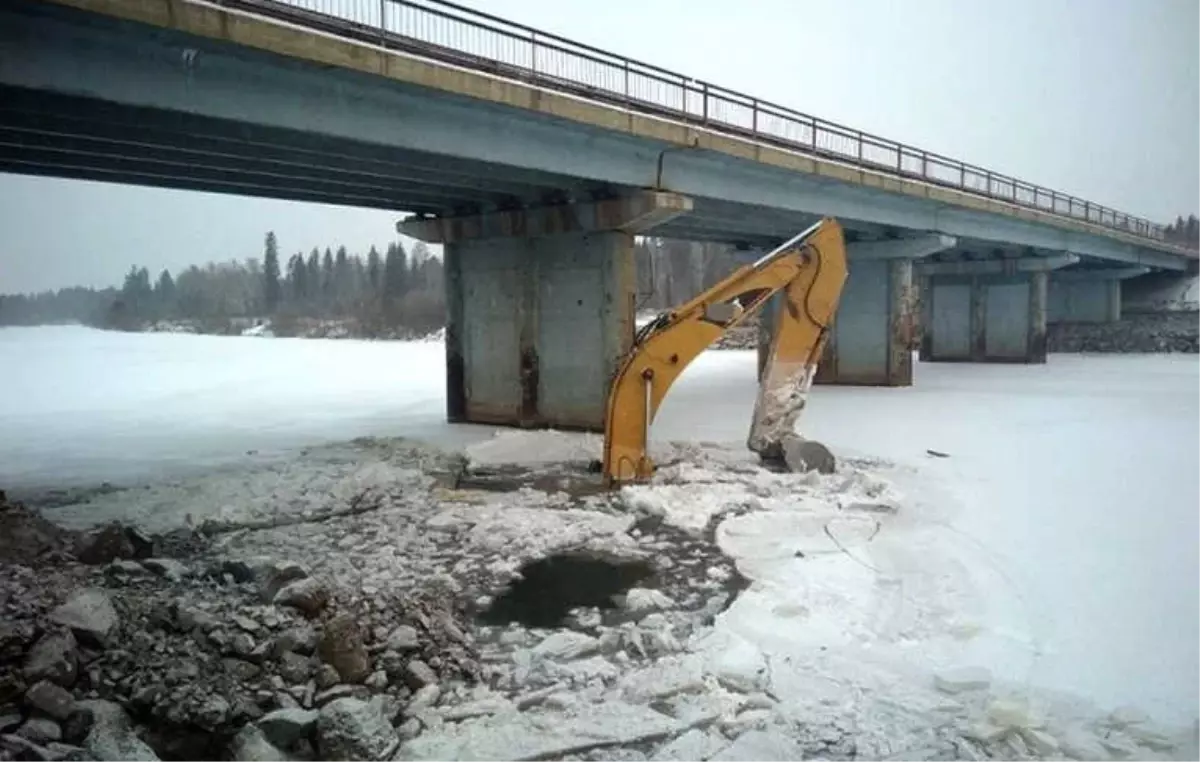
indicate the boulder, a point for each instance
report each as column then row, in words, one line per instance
column 351, row 729
column 418, row 674
column 301, row 639
column 50, row 699
column 283, row 727
column 403, row 638
column 308, row 595
column 111, row 736
column 802, row 455
column 90, row 616
column 54, row 658
column 166, row 567
column 342, row 647
column 251, row 745
column 105, row 545
column 566, row 646
column 40, row 730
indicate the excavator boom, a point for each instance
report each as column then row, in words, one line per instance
column 809, row 271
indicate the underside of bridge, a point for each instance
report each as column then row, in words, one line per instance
column 537, row 212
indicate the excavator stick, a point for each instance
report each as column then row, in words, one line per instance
column 809, row 270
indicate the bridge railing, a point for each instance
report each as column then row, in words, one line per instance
column 449, row 32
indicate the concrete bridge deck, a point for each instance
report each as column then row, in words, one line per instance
column 555, row 154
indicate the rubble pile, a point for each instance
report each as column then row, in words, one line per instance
column 109, row 650
column 1134, row 333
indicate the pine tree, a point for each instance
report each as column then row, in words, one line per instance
column 313, row 275
column 395, row 280
column 271, row 290
column 298, row 278
column 164, row 293
column 373, row 266
column 327, row 283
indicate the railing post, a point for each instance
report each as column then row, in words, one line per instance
column 962, row 175
column 382, row 19
column 754, row 116
column 860, row 147
column 704, row 95
column 628, row 97
column 533, row 52
column 814, row 134
column 987, row 180
column 924, row 165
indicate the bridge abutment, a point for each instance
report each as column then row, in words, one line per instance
column 540, row 307
column 986, row 311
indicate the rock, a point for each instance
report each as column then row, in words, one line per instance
column 403, row 638
column 242, row 644
column 142, row 543
column 333, row 694
column 342, row 646
column 40, row 730
column 424, row 698
column 566, row 646
column 53, row 658
column 959, row 679
column 111, row 736
column 213, row 712
column 246, row 623
column 166, row 567
column 50, row 699
column 251, row 745
column 105, row 545
column 9, row 721
column 802, row 455
column 283, row 727
column 295, row 668
column 327, row 677
column 1124, row 716
column 377, row 681
column 355, row 730
column 90, row 615
column 275, row 576
column 188, row 619
column 308, row 595
column 301, row 639
column 65, row 752
column 239, row 669
column 418, row 674
column 76, row 727
column 15, row 747
column 125, row 567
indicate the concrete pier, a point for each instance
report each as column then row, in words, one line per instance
column 869, row 342
column 1088, row 296
column 986, row 311
column 540, row 307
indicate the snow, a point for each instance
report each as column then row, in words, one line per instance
column 1056, row 546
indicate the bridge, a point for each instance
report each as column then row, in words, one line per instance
column 535, row 161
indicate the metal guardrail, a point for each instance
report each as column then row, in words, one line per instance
column 449, row 32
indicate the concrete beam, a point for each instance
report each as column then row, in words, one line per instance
column 1121, row 273
column 998, row 266
column 901, row 248
column 633, row 214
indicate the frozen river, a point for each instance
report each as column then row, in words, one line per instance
column 1074, row 485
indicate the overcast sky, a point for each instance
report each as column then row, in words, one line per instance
column 1099, row 98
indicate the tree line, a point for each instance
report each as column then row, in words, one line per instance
column 1184, row 232
column 397, row 293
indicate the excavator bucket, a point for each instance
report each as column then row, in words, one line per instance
column 809, row 271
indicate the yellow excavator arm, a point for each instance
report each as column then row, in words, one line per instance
column 809, row 270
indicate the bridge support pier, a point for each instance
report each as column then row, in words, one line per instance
column 1088, row 296
column 986, row 311
column 869, row 343
column 540, row 307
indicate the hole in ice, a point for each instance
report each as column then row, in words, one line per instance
column 550, row 587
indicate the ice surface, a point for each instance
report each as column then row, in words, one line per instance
column 1055, row 546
